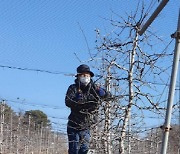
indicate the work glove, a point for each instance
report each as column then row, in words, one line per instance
column 101, row 92
column 79, row 96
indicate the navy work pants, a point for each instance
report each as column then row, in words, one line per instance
column 78, row 141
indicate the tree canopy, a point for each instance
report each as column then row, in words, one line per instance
column 38, row 117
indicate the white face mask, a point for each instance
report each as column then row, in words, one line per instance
column 85, row 80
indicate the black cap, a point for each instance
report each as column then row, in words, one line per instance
column 84, row 68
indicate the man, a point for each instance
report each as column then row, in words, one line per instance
column 83, row 99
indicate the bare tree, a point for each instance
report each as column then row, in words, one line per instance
column 19, row 135
column 138, row 75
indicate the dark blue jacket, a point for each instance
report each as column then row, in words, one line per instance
column 82, row 111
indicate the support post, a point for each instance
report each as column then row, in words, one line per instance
column 153, row 16
column 166, row 126
column 2, row 126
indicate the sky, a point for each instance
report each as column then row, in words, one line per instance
column 46, row 35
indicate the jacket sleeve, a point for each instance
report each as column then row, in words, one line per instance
column 70, row 99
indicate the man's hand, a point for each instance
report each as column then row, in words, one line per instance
column 100, row 91
column 79, row 96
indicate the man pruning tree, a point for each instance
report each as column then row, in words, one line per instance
column 83, row 99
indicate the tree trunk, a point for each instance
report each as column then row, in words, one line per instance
column 131, row 96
